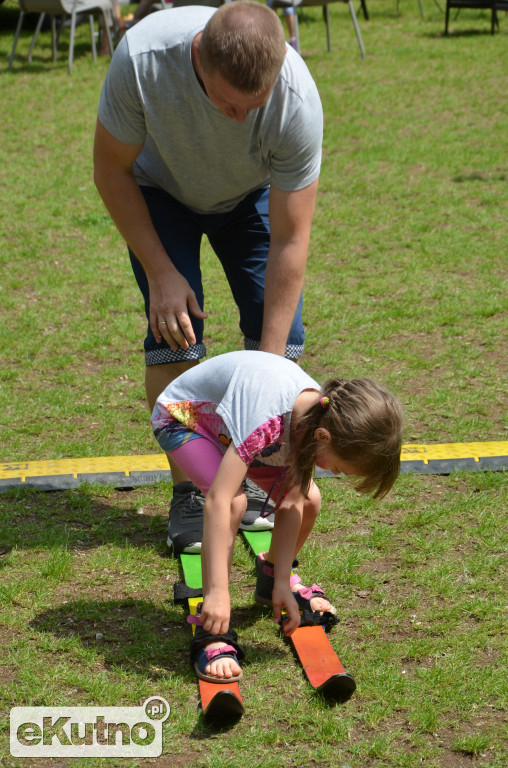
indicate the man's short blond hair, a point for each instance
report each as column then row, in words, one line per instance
column 244, row 42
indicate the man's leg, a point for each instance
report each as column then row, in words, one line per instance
column 180, row 232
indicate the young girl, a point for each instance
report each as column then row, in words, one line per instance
column 259, row 415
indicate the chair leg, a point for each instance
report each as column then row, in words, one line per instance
column 365, row 12
column 108, row 32
column 54, row 37
column 16, row 37
column 357, row 28
column 92, row 37
column 326, row 14
column 71, row 41
column 61, row 21
column 36, row 35
column 495, row 21
column 420, row 6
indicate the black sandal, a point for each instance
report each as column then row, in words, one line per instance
column 200, row 657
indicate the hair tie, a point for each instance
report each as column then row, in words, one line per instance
column 324, row 402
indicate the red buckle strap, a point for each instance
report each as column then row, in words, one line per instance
column 308, row 592
column 211, row 653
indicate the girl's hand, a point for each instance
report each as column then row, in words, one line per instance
column 216, row 612
column 282, row 598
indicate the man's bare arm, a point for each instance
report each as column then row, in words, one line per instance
column 171, row 297
column 290, row 224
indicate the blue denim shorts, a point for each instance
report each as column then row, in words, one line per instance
column 240, row 239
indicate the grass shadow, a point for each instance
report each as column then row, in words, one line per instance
column 207, row 727
column 132, row 634
column 452, row 34
column 77, row 519
column 9, row 15
column 485, row 178
column 137, row 635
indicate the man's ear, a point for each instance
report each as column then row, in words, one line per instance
column 321, row 435
column 197, row 53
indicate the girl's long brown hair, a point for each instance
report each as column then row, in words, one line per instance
column 365, row 424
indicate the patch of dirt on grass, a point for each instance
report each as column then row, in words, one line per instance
column 440, row 743
column 39, row 762
column 455, row 757
column 384, row 565
column 433, row 348
column 7, row 674
column 168, row 761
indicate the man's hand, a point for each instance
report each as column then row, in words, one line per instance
column 172, row 300
column 171, row 297
column 282, row 597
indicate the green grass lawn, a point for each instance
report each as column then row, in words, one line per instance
column 406, row 284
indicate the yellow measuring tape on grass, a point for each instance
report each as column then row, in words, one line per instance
column 131, row 471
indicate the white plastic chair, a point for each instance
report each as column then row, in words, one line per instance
column 61, row 9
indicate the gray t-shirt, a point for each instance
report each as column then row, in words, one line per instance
column 246, row 397
column 205, row 160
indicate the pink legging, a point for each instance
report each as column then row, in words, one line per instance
column 200, row 459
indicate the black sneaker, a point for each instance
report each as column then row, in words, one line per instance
column 185, row 530
column 256, row 498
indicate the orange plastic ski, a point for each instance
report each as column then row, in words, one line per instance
column 218, row 701
column 321, row 664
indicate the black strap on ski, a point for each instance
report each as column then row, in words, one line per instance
column 181, row 592
column 202, row 637
column 310, row 618
column 182, row 540
column 325, row 619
